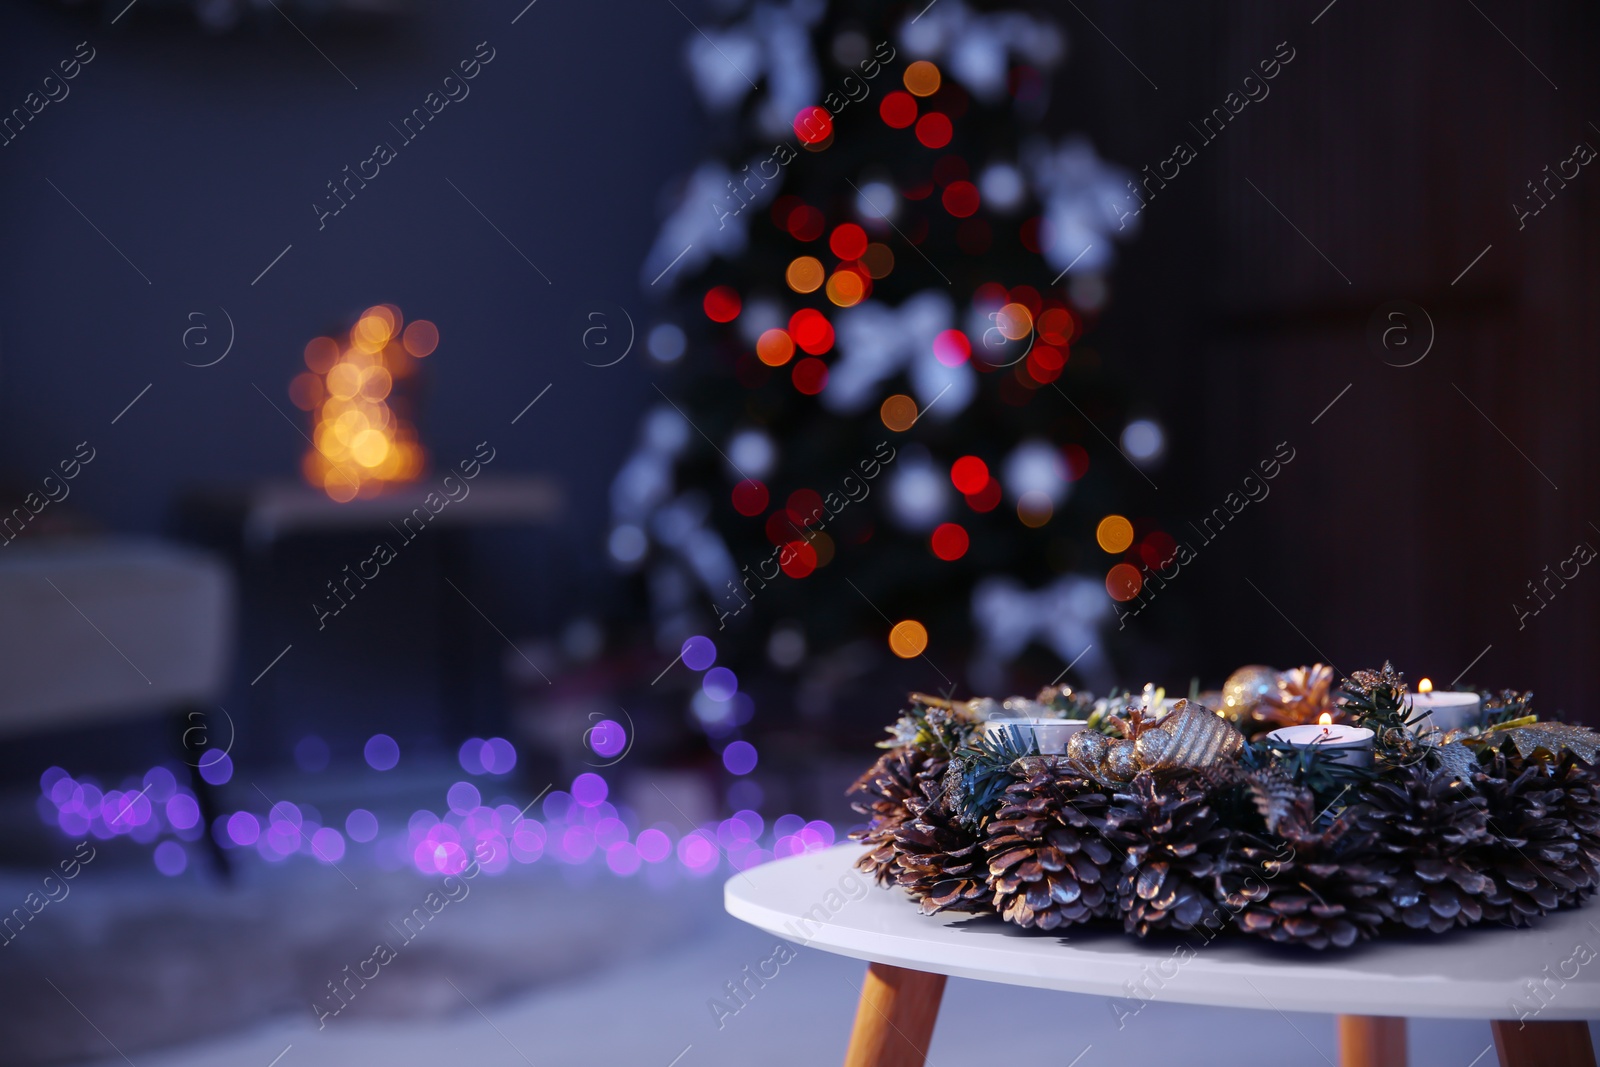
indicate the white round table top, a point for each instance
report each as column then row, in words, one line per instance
column 818, row 899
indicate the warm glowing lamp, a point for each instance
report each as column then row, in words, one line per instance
column 359, row 443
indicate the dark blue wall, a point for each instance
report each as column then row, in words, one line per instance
column 200, row 157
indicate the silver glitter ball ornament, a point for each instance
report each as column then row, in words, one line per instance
column 1121, row 765
column 1089, row 746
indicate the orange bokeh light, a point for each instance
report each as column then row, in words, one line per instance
column 898, row 413
column 805, row 274
column 775, row 347
column 908, row 639
column 359, row 444
column 421, row 338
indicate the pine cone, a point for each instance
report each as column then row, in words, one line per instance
column 1543, row 843
column 896, row 778
column 1049, row 864
column 1580, row 806
column 1303, row 695
column 1175, row 845
column 1426, row 831
column 938, row 860
column 1310, row 887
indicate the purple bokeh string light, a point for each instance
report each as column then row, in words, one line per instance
column 361, row 825
column 739, row 757
column 607, row 738
column 699, row 653
column 581, row 825
column 170, row 858
column 720, row 684
column 382, row 752
column 216, row 767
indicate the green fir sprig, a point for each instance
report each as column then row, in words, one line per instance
column 986, row 773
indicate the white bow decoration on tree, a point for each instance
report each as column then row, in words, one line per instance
column 1084, row 201
column 876, row 341
column 708, row 221
column 689, row 550
column 773, row 41
column 1064, row 616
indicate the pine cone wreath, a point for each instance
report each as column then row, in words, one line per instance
column 1542, row 846
column 1175, row 843
column 1579, row 804
column 1049, row 865
column 896, row 778
column 1310, row 886
column 1427, row 830
column 938, row 859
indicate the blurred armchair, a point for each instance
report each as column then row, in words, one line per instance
column 93, row 630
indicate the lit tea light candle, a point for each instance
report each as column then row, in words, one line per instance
column 1443, row 711
column 1338, row 743
column 1051, row 735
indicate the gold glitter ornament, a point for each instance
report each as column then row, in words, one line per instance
column 1245, row 688
column 1151, row 748
column 1200, row 739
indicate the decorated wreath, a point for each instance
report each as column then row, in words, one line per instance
column 1169, row 816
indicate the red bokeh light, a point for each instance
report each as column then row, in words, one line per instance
column 811, row 330
column 805, row 223
column 899, row 109
column 813, row 125
column 797, row 559
column 722, row 304
column 1032, row 234
column 969, row 474
column 949, row 541
column 985, row 499
column 783, row 207
column 750, row 498
column 934, row 130
column 1045, row 363
column 1158, row 549
column 961, row 199
column 952, row 348
column 781, row 527
column 991, row 293
column 805, row 507
column 810, row 375
column 1077, row 458
column 848, row 241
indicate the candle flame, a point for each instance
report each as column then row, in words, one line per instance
column 1325, row 720
column 1425, row 686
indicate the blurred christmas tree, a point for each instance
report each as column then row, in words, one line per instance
column 882, row 422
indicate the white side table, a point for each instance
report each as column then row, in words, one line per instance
column 1470, row 974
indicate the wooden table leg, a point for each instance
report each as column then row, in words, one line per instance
column 1372, row 1041
column 1547, row 1044
column 894, row 1021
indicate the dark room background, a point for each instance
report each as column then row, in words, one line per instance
column 1385, row 170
